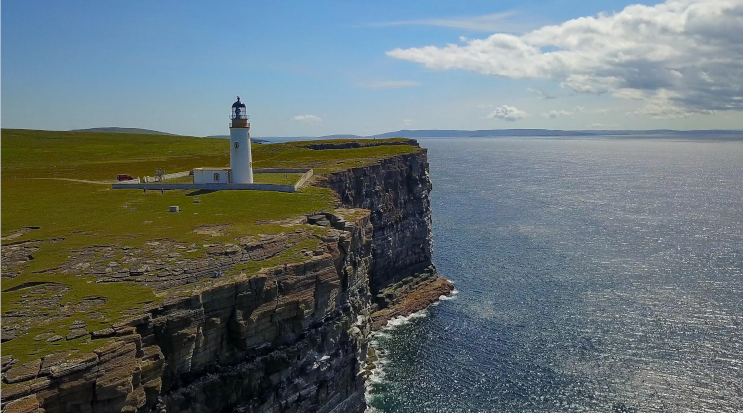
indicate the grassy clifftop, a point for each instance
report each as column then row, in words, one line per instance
column 58, row 181
column 58, row 206
column 100, row 156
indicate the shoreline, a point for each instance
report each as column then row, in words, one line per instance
column 406, row 298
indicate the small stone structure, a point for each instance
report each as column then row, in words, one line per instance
column 211, row 175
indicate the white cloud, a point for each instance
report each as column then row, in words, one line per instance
column 407, row 122
column 541, row 94
column 553, row 114
column 508, row 113
column 309, row 119
column 486, row 23
column 578, row 109
column 683, row 57
column 660, row 106
column 390, row 84
column 602, row 125
column 664, row 110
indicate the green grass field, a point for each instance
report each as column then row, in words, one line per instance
column 43, row 174
column 278, row 179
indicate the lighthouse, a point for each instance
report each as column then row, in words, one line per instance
column 241, row 158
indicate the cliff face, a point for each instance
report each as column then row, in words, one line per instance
column 396, row 192
column 292, row 338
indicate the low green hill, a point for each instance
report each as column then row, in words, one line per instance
column 138, row 131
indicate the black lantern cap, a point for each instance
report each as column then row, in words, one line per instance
column 238, row 104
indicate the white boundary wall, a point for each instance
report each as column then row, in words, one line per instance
column 303, row 180
column 215, row 187
column 281, row 170
column 308, row 173
column 166, row 176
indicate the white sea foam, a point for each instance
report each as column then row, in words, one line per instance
column 402, row 320
column 377, row 374
column 454, row 292
column 377, row 335
column 377, row 339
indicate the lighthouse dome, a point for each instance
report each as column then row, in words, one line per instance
column 238, row 104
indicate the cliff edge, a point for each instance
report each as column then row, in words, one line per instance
column 263, row 322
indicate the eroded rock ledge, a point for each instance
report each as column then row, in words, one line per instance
column 291, row 338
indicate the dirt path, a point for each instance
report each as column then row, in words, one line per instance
column 81, row 180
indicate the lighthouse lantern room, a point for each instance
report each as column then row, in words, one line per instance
column 241, row 158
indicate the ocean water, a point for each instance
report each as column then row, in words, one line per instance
column 593, row 275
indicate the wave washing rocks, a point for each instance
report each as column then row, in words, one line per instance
column 292, row 338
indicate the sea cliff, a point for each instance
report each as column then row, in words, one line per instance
column 292, row 337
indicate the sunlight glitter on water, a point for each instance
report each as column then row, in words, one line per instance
column 594, row 275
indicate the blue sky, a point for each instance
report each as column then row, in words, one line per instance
column 326, row 67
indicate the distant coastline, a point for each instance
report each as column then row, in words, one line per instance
column 435, row 133
column 729, row 134
column 714, row 134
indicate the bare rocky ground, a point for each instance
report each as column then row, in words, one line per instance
column 161, row 265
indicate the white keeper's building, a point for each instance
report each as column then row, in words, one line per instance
column 241, row 157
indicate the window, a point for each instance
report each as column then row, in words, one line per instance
column 216, row 177
column 237, row 145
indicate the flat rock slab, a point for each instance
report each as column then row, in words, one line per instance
column 23, row 372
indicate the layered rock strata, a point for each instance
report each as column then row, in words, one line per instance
column 292, row 338
column 286, row 339
column 396, row 191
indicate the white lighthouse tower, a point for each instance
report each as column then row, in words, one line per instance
column 241, row 158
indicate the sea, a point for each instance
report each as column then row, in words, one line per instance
column 592, row 275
